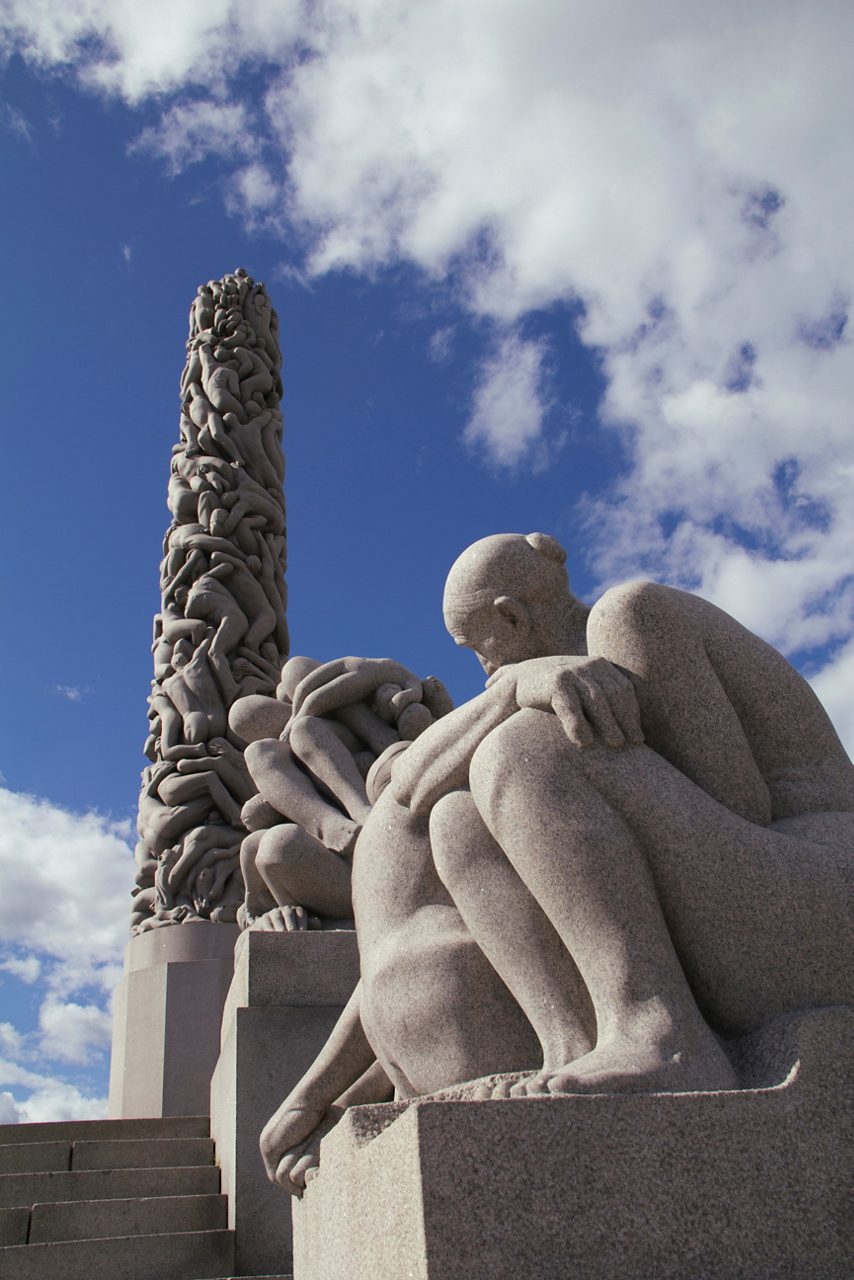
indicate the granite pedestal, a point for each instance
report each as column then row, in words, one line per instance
column 744, row 1185
column 166, row 1020
column 287, row 993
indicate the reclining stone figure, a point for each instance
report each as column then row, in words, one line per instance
column 635, row 844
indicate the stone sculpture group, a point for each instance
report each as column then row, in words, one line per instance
column 221, row 631
column 633, row 848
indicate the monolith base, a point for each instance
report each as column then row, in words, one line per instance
column 166, row 1020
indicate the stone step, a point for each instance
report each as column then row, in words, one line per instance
column 186, row 1255
column 14, row 1225
column 154, row 1215
column 34, row 1157
column 106, row 1184
column 74, row 1130
column 140, row 1153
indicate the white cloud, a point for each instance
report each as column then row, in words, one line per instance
column 70, row 692
column 509, row 404
column 253, row 192
column 73, row 1032
column 25, row 968
column 834, row 685
column 64, row 920
column 677, row 170
column 441, row 343
column 66, row 890
column 14, row 121
column 189, row 132
column 9, row 1110
column 11, row 1040
column 49, row 1099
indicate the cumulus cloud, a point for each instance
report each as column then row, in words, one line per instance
column 25, row 968
column 834, row 685
column 66, row 884
column 253, row 194
column 189, row 132
column 672, row 171
column 63, row 920
column 509, row 407
column 72, row 1032
column 15, row 122
column 49, row 1099
column 70, row 692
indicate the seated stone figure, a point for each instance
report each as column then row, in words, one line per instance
column 313, row 770
column 635, row 844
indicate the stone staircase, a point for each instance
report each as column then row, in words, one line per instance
column 110, row 1199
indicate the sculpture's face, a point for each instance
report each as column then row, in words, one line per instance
column 496, row 636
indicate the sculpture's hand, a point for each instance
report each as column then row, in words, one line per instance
column 288, row 919
column 438, row 762
column 286, row 1144
column 348, row 680
column 594, row 701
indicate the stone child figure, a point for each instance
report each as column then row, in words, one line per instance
column 636, row 841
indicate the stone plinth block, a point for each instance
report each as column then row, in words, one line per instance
column 166, row 1022
column 287, row 993
column 742, row 1185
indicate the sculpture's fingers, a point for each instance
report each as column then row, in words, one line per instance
column 500, row 674
column 284, row 1170
column 597, row 708
column 311, row 1160
column 411, row 692
column 566, row 705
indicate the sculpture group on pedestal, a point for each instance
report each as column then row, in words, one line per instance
column 632, row 848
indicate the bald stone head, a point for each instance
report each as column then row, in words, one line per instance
column 507, row 598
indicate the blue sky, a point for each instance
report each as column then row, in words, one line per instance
column 554, row 266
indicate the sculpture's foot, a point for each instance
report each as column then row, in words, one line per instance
column 638, row 1066
column 290, row 1143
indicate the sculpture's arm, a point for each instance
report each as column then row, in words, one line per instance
column 438, row 762
column 594, row 701
column 346, row 681
column 341, row 1063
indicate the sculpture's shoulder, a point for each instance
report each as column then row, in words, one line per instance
column 639, row 601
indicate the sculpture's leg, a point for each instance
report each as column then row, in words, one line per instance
column 258, row 896
column 342, row 1061
column 292, row 792
column 586, row 869
column 508, row 924
column 316, row 744
column 300, row 871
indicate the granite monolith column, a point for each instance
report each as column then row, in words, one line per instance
column 220, row 634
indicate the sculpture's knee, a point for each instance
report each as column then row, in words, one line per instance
column 519, row 760
column 495, row 762
column 279, row 847
column 458, row 838
column 303, row 734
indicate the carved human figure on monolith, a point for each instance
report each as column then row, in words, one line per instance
column 636, row 843
column 221, row 631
